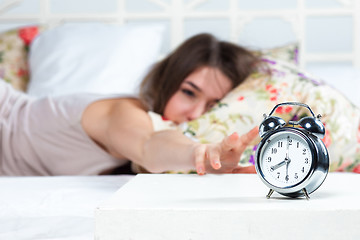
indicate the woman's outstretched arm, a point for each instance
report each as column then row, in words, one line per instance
column 130, row 134
column 127, row 132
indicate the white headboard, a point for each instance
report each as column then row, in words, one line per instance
column 327, row 30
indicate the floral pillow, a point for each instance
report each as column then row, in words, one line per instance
column 14, row 46
column 287, row 53
column 244, row 106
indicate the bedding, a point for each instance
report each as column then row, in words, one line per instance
column 92, row 57
column 287, row 53
column 53, row 207
column 243, row 107
column 342, row 76
column 14, row 46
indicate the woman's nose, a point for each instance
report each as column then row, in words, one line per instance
column 196, row 111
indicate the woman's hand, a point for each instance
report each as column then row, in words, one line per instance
column 224, row 157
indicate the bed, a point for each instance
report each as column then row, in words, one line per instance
column 143, row 31
column 53, row 207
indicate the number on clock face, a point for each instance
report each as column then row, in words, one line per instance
column 285, row 159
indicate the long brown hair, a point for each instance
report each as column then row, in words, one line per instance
column 165, row 78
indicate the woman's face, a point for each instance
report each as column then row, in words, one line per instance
column 197, row 94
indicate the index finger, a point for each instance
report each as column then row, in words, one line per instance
column 230, row 142
column 234, row 141
column 200, row 152
column 247, row 138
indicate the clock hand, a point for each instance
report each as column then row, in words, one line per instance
column 287, row 147
column 280, row 164
column 273, row 168
column 287, row 160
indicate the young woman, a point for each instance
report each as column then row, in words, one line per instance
column 87, row 134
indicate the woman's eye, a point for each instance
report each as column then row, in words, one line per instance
column 211, row 105
column 188, row 92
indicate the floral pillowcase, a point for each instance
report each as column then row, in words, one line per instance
column 14, row 46
column 243, row 109
column 287, row 53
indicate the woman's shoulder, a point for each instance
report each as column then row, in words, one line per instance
column 102, row 114
column 111, row 104
column 104, row 109
column 113, row 107
column 116, row 118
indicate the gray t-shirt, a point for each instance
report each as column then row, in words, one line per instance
column 44, row 136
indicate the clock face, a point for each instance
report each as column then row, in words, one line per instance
column 285, row 159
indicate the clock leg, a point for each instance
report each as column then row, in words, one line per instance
column 306, row 194
column 269, row 194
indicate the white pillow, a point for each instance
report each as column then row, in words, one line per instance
column 92, row 57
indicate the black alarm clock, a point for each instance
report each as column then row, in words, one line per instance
column 292, row 161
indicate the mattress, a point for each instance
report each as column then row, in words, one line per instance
column 53, row 207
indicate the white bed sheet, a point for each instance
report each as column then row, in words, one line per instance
column 53, row 207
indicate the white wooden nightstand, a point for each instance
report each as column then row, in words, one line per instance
column 230, row 206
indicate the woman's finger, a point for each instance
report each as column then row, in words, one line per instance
column 230, row 142
column 234, row 141
column 200, row 155
column 245, row 139
column 214, row 156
